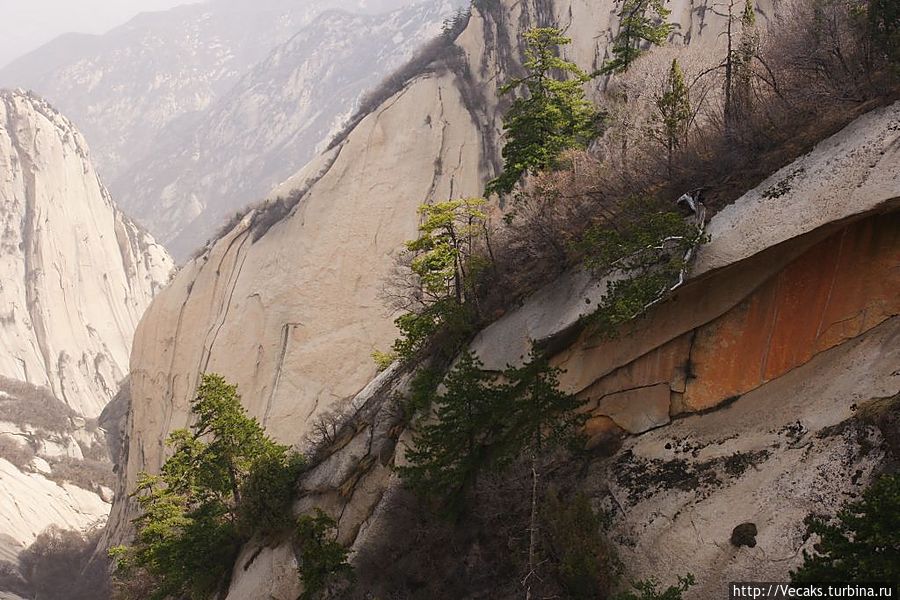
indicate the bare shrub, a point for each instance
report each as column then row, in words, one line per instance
column 59, row 566
column 12, row 581
column 18, row 454
column 86, row 473
column 34, row 405
column 812, row 73
column 327, row 426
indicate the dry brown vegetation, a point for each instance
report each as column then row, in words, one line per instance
column 815, row 69
column 33, row 405
column 18, row 454
column 60, row 565
column 86, row 473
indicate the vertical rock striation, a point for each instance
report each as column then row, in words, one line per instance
column 287, row 304
column 75, row 277
column 77, row 274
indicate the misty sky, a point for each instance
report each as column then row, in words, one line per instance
column 26, row 24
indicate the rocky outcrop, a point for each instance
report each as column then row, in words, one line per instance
column 845, row 177
column 288, row 304
column 745, row 398
column 836, row 290
column 76, row 277
column 77, row 273
column 796, row 283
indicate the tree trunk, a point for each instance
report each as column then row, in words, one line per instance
column 532, row 528
column 729, row 68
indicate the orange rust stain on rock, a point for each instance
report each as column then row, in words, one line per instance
column 663, row 365
column 837, row 290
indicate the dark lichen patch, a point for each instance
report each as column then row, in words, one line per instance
column 643, row 478
column 794, row 432
column 857, row 429
column 737, row 463
column 783, row 187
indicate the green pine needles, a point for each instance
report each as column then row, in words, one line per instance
column 322, row 560
column 224, row 482
column 641, row 23
column 648, row 589
column 483, row 422
column 861, row 544
column 552, row 117
column 445, row 267
column 670, row 124
column 643, row 258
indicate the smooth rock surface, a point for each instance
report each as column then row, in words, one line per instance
column 75, row 278
column 77, row 274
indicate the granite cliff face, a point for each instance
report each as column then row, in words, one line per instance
column 78, row 273
column 270, row 123
column 77, row 276
column 288, row 302
column 746, row 397
column 790, row 306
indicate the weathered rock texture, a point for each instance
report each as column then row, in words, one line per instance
column 841, row 287
column 77, row 273
column 791, row 447
column 271, row 123
column 76, row 277
column 288, row 306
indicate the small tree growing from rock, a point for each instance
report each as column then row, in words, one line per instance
column 641, row 23
column 552, row 117
column 225, row 481
column 673, row 115
column 861, row 543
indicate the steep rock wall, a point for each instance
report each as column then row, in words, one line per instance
column 270, row 123
column 840, row 288
column 291, row 311
column 75, row 278
column 77, row 274
column 691, row 443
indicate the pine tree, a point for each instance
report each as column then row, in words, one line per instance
column 448, row 453
column 539, row 415
column 747, row 50
column 552, row 117
column 224, row 481
column 641, row 22
column 862, row 543
column 322, row 560
column 444, row 247
column 444, row 264
column 738, row 64
column 884, row 27
column 673, row 116
column 481, row 422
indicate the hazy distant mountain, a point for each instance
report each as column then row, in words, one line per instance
column 170, row 99
column 270, row 123
column 123, row 87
